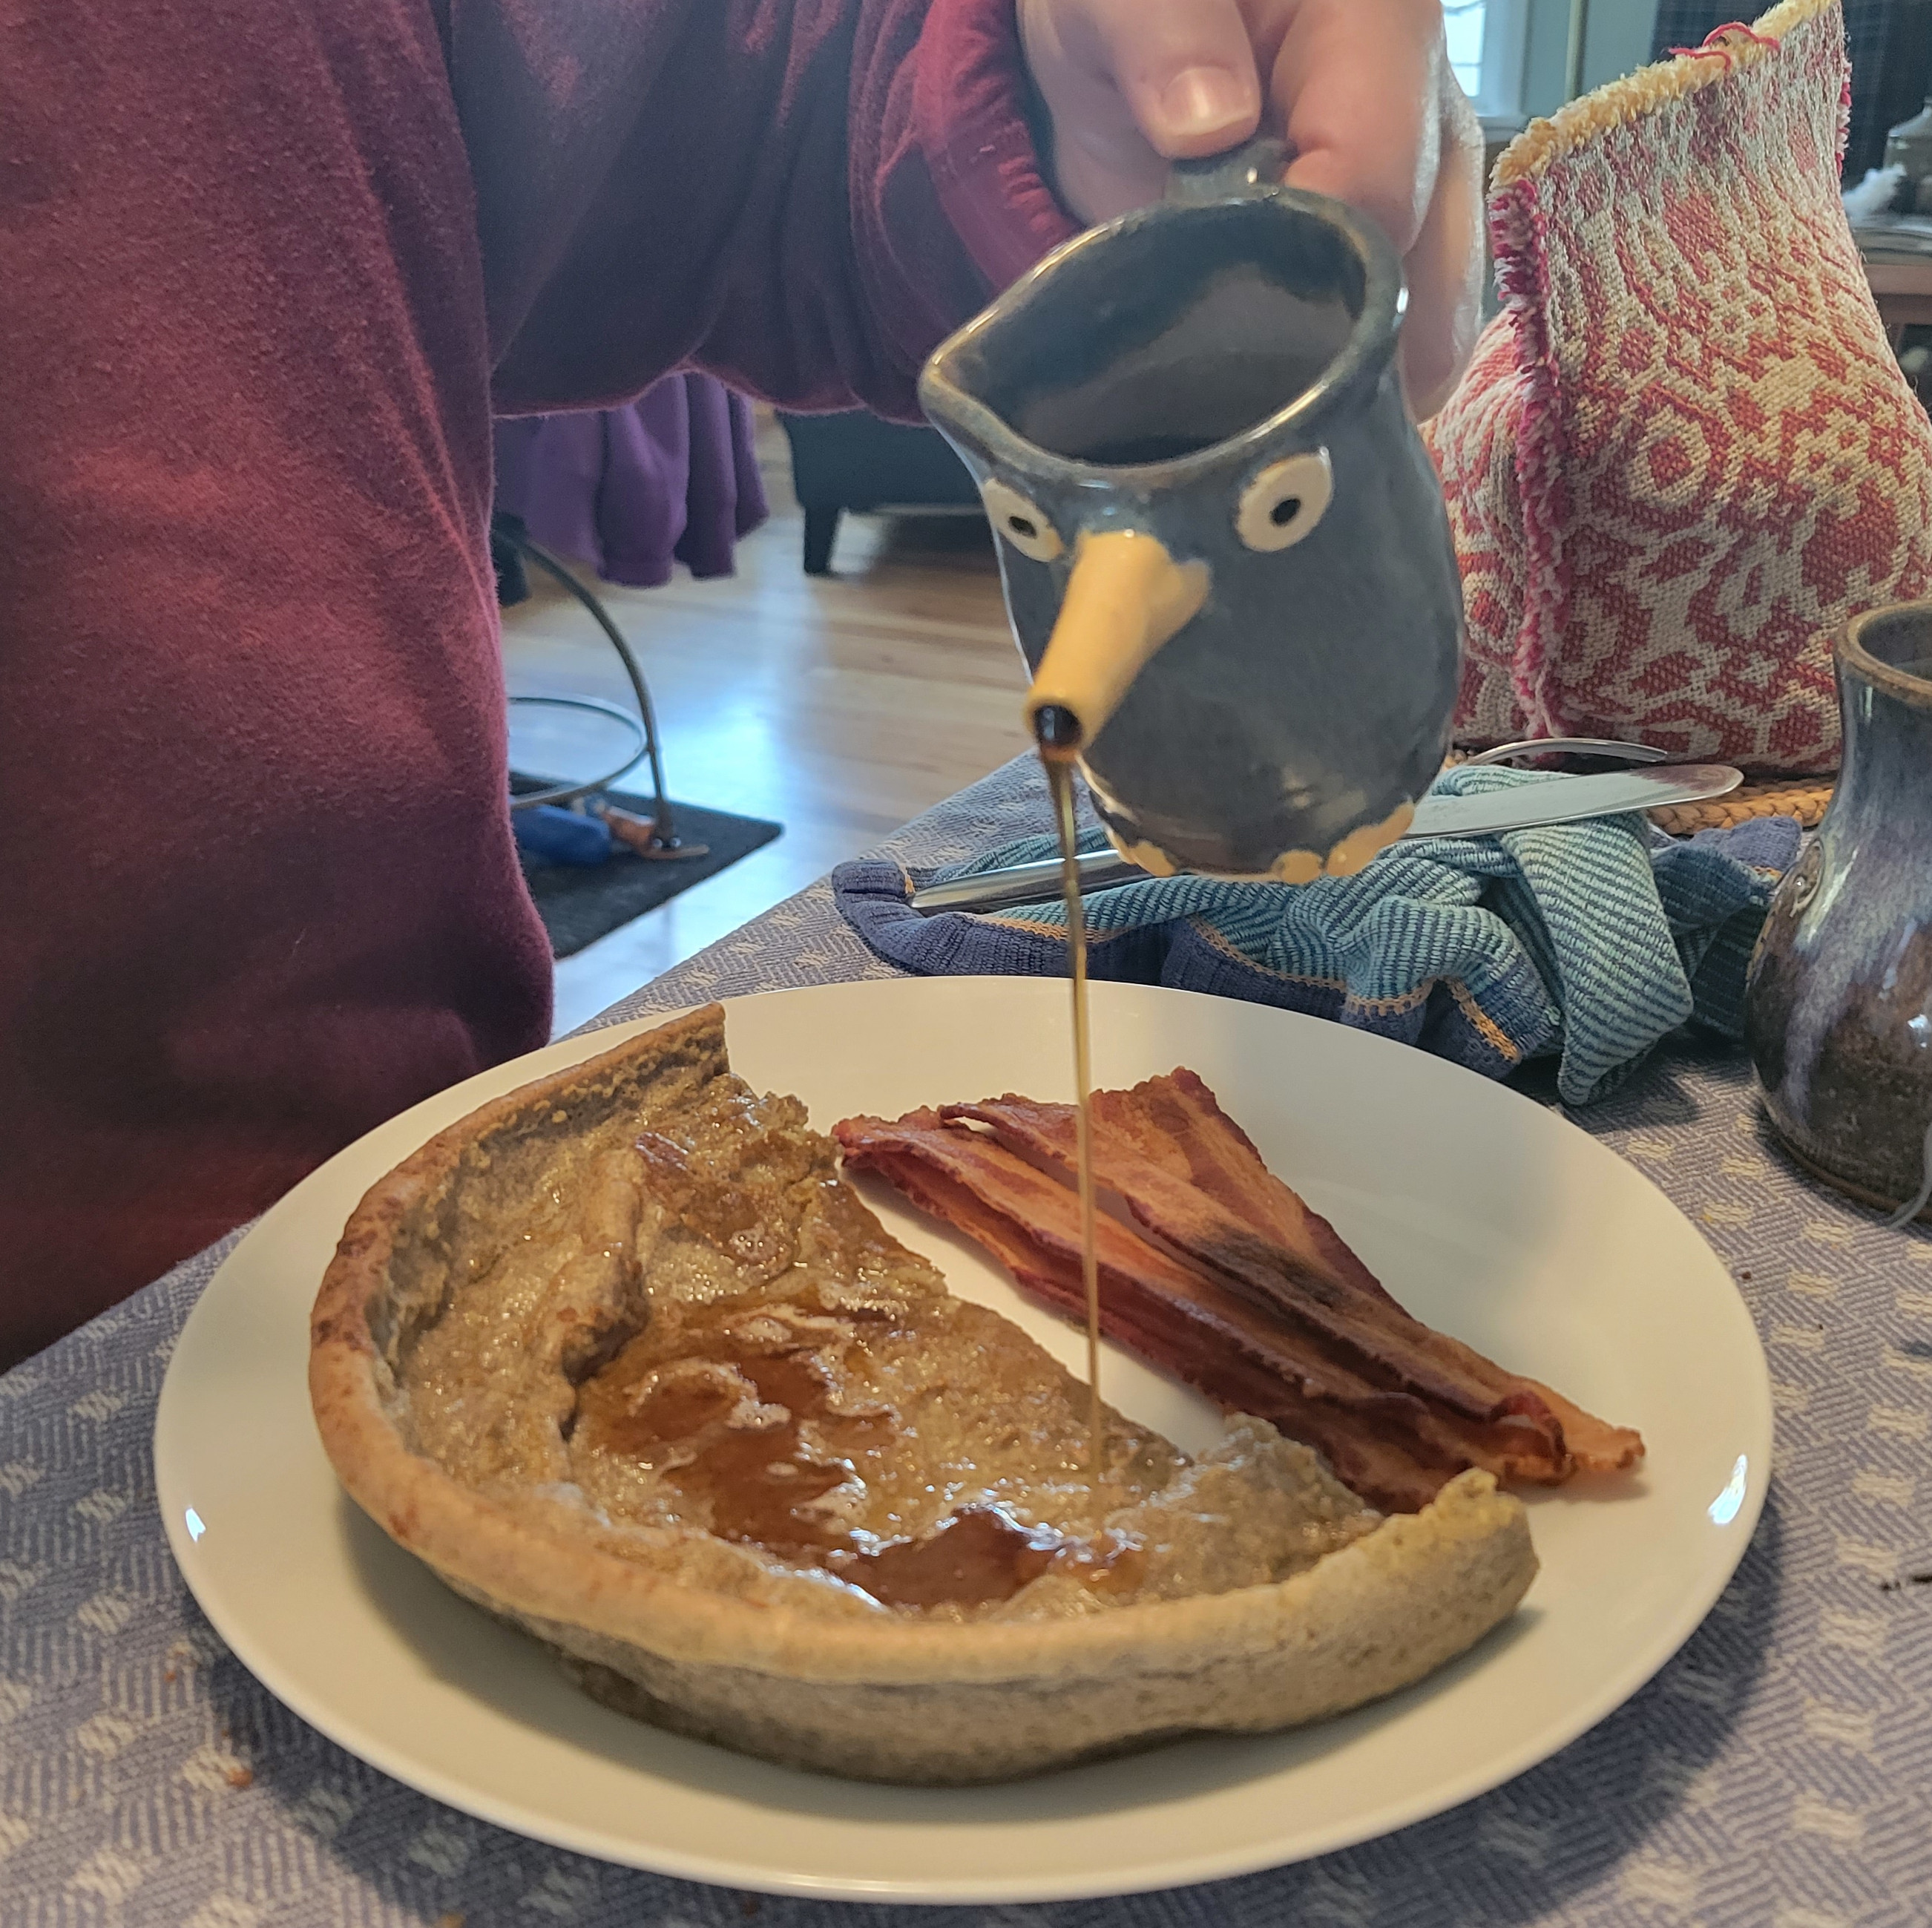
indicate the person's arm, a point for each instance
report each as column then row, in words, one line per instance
column 802, row 198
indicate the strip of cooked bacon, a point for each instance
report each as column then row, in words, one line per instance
column 1260, row 1254
column 1394, row 1448
column 1192, row 1178
column 1385, row 1445
column 1180, row 1111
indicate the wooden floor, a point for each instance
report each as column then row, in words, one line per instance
column 840, row 706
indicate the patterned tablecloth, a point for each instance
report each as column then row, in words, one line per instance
column 1778, row 1771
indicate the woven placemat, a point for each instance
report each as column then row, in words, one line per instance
column 1803, row 797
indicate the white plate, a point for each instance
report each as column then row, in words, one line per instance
column 1485, row 1214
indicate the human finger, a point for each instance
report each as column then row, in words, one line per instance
column 1356, row 85
column 1132, row 84
column 1445, row 268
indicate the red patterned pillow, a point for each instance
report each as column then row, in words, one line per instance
column 1684, row 452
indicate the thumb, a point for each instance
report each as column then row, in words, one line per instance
column 1185, row 69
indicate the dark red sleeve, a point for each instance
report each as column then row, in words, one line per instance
column 802, row 199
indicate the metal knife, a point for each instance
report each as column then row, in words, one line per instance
column 1558, row 799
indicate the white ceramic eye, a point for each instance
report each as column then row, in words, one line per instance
column 1285, row 501
column 1020, row 522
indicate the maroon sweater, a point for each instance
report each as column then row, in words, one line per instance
column 265, row 266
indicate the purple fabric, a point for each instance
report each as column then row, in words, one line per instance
column 672, row 478
column 267, row 266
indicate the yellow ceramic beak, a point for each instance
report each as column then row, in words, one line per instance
column 1126, row 597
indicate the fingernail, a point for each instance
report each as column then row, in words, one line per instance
column 1203, row 101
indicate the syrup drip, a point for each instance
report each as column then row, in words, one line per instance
column 1059, row 767
column 722, row 1419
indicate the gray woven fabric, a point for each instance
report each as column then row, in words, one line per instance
column 1779, row 1771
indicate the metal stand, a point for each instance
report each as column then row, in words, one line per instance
column 664, row 839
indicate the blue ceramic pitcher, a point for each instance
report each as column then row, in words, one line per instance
column 1224, row 547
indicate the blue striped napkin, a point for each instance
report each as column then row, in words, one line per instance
column 1587, row 941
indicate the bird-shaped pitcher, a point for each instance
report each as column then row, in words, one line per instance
column 1224, row 547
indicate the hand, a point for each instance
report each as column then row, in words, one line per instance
column 1361, row 90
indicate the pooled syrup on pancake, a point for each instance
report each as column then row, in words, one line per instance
column 728, row 1427
column 744, row 1417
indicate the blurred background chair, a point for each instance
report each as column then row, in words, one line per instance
column 855, row 462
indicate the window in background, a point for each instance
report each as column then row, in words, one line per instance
column 1465, row 24
column 1486, row 40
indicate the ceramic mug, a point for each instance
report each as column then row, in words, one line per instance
column 1223, row 545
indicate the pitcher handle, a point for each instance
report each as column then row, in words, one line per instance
column 1243, row 174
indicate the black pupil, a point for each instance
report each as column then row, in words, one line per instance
column 1021, row 525
column 1284, row 511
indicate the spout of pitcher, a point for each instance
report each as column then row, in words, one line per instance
column 1125, row 596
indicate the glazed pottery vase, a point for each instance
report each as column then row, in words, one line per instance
column 1838, row 1005
column 1224, row 547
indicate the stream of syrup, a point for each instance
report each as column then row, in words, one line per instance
column 1059, row 767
